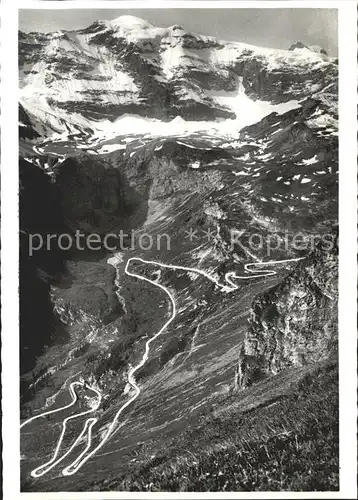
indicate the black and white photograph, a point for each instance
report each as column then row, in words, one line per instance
column 178, row 173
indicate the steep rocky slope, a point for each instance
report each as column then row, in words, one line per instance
column 295, row 323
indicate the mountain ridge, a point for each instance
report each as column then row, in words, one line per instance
column 112, row 68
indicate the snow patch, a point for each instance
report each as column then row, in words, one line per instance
column 323, row 121
column 108, row 148
column 240, row 173
column 264, row 157
column 309, row 161
column 247, row 110
column 116, row 259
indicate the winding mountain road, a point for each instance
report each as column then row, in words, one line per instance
column 228, row 286
column 74, row 399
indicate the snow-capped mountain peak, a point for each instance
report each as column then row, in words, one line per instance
column 129, row 66
column 131, row 22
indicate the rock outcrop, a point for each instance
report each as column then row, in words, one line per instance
column 313, row 48
column 296, row 322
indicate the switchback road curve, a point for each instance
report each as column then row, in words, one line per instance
column 252, row 271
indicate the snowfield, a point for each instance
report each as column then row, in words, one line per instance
column 247, row 110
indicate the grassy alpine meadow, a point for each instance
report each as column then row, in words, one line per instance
column 287, row 443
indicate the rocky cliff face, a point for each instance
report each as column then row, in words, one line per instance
column 296, row 322
column 40, row 213
column 91, row 193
